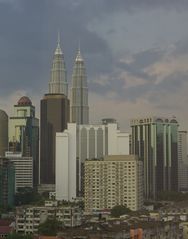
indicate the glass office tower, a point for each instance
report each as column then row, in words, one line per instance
column 154, row 140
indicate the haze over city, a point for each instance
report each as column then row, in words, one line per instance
column 136, row 54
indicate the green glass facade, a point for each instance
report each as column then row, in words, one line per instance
column 154, row 140
column 7, row 183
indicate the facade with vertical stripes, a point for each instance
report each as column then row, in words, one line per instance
column 79, row 92
column 81, row 142
column 154, row 140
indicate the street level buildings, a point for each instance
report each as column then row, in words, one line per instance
column 79, row 92
column 28, row 218
column 114, row 180
column 24, row 133
column 81, row 142
column 154, row 140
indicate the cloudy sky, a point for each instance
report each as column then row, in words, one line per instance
column 135, row 51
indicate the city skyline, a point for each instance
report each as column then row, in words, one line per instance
column 136, row 54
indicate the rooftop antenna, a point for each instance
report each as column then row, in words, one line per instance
column 58, row 37
column 79, row 44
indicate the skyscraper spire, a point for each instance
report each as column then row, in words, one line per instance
column 58, row 82
column 79, row 92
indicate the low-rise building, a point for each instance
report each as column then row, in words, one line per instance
column 6, row 227
column 28, row 218
column 119, row 229
column 184, row 228
column 177, row 211
column 155, row 230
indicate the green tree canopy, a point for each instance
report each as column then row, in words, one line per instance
column 28, row 196
column 172, row 196
column 19, row 236
column 119, row 210
column 50, row 227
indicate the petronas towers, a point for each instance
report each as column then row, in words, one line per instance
column 79, row 109
column 58, row 83
column 79, row 92
column 56, row 110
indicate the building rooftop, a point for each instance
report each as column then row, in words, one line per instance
column 5, row 230
column 130, row 157
column 25, row 101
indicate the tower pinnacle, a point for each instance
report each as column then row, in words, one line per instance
column 58, row 82
column 58, row 50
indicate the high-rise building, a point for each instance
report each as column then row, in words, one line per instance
column 24, row 133
column 58, row 82
column 23, row 170
column 3, row 132
column 79, row 92
column 7, row 183
column 115, row 180
column 54, row 117
column 182, row 161
column 81, row 142
column 154, row 140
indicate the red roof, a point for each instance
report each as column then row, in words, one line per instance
column 24, row 100
column 49, row 237
column 5, row 230
column 4, row 222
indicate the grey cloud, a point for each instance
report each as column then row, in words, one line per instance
column 148, row 57
column 157, row 92
column 150, row 89
column 171, row 84
column 28, row 38
column 142, row 60
column 181, row 47
column 99, row 7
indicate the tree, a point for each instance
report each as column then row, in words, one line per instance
column 50, row 227
column 119, row 210
column 27, row 196
column 19, row 236
column 172, row 196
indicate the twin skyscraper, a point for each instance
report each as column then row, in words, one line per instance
column 79, row 90
column 57, row 110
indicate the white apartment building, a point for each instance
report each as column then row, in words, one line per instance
column 23, row 169
column 81, row 142
column 28, row 218
column 114, row 180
